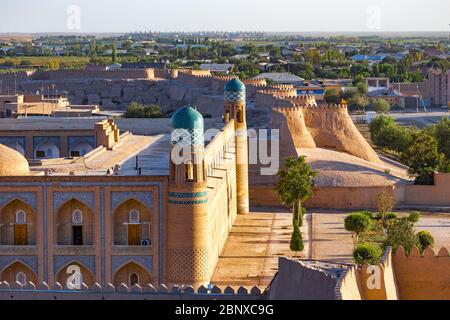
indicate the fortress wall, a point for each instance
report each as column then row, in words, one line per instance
column 331, row 127
column 221, row 171
column 147, row 73
column 431, row 195
column 348, row 285
column 269, row 101
column 385, row 288
column 293, row 132
column 297, row 281
column 10, row 77
column 41, row 291
column 304, row 100
column 422, row 277
column 162, row 73
column 324, row 197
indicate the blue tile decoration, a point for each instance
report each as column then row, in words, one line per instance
column 118, row 262
column 117, row 198
column 29, row 261
column 30, row 198
column 61, row 197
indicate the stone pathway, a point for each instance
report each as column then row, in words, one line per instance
column 250, row 255
column 439, row 227
column 330, row 240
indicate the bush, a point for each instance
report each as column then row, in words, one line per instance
column 296, row 240
column 425, row 240
column 414, row 217
column 389, row 216
column 137, row 110
column 367, row 253
column 401, row 233
column 357, row 223
column 367, row 213
column 381, row 106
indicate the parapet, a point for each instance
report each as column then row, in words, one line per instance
column 43, row 291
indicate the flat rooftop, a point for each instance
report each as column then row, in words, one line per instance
column 152, row 153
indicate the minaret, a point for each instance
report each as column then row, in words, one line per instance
column 235, row 109
column 187, row 217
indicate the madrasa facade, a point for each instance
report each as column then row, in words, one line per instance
column 147, row 220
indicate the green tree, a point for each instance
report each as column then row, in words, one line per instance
column 401, row 233
column 358, row 102
column 425, row 239
column 441, row 132
column 332, row 96
column 114, row 54
column 295, row 184
column 381, row 106
column 357, row 223
column 366, row 253
column 137, row 110
column 414, row 217
column 385, row 204
column 296, row 240
column 53, row 64
column 362, row 87
column 423, row 157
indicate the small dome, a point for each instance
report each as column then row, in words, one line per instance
column 187, row 118
column 235, row 85
column 12, row 163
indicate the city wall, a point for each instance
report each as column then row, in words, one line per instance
column 220, row 163
column 422, row 277
column 324, row 197
column 15, row 291
column 328, row 126
column 429, row 195
column 147, row 73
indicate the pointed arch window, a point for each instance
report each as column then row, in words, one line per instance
column 77, row 217
column 21, row 217
column 134, row 279
column 21, row 278
column 133, row 216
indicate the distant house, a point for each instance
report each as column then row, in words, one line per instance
column 114, row 66
column 369, row 58
column 143, row 65
column 217, row 67
column 389, row 95
column 240, row 56
column 280, row 77
column 433, row 52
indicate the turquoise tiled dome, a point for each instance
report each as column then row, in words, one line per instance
column 187, row 118
column 187, row 127
column 235, row 85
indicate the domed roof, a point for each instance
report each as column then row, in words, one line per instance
column 12, row 163
column 187, row 118
column 235, row 85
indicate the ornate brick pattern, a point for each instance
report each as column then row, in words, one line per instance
column 234, row 96
column 29, row 261
column 185, row 264
column 29, row 198
column 118, row 262
column 88, row 261
column 117, row 198
column 59, row 198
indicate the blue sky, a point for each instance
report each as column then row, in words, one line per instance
column 229, row 15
